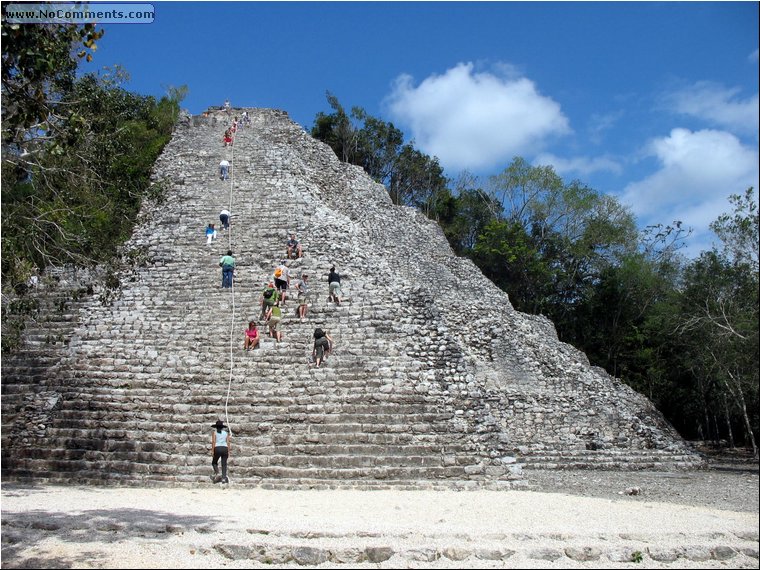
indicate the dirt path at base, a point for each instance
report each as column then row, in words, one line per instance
column 211, row 526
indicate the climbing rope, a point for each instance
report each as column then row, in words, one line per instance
column 232, row 289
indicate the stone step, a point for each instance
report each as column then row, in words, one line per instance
column 198, row 412
column 193, row 453
column 319, row 423
column 629, row 460
column 254, row 439
column 351, row 468
column 98, row 477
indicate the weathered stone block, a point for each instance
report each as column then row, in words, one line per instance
column 697, row 553
column 310, row 556
column 422, row 555
column 551, row 554
column 663, row 554
column 723, row 553
column 456, row 553
column 235, row 551
column 584, row 554
column 379, row 554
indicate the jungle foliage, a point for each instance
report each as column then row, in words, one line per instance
column 77, row 151
column 682, row 331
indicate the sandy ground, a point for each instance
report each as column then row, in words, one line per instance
column 713, row 524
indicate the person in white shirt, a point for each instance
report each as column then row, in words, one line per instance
column 224, row 217
column 282, row 279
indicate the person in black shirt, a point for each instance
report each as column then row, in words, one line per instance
column 333, row 281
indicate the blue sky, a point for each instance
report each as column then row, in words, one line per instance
column 655, row 103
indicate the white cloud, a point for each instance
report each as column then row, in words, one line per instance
column 717, row 105
column 600, row 124
column 578, row 165
column 754, row 56
column 476, row 120
column 698, row 171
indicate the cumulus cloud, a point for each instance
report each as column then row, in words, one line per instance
column 717, row 105
column 476, row 120
column 579, row 165
column 697, row 172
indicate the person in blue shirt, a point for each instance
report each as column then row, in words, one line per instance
column 210, row 234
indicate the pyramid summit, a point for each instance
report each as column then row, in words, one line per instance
column 434, row 377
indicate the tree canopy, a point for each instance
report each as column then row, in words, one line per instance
column 683, row 332
column 77, row 152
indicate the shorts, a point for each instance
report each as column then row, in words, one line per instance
column 280, row 284
column 274, row 324
column 335, row 288
column 303, row 299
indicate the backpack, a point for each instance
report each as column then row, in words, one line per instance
column 278, row 272
column 271, row 299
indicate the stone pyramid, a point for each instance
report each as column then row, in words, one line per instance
column 435, row 379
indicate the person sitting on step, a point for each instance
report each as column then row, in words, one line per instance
column 333, row 281
column 323, row 343
column 227, row 138
column 251, row 337
column 282, row 280
column 294, row 248
column 269, row 298
column 220, row 449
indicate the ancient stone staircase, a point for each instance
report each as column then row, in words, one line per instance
column 435, row 378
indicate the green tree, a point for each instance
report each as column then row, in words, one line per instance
column 739, row 231
column 465, row 213
column 75, row 198
column 378, row 146
column 411, row 177
column 337, row 130
column 569, row 234
column 719, row 314
column 38, row 71
column 417, row 180
column 508, row 256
